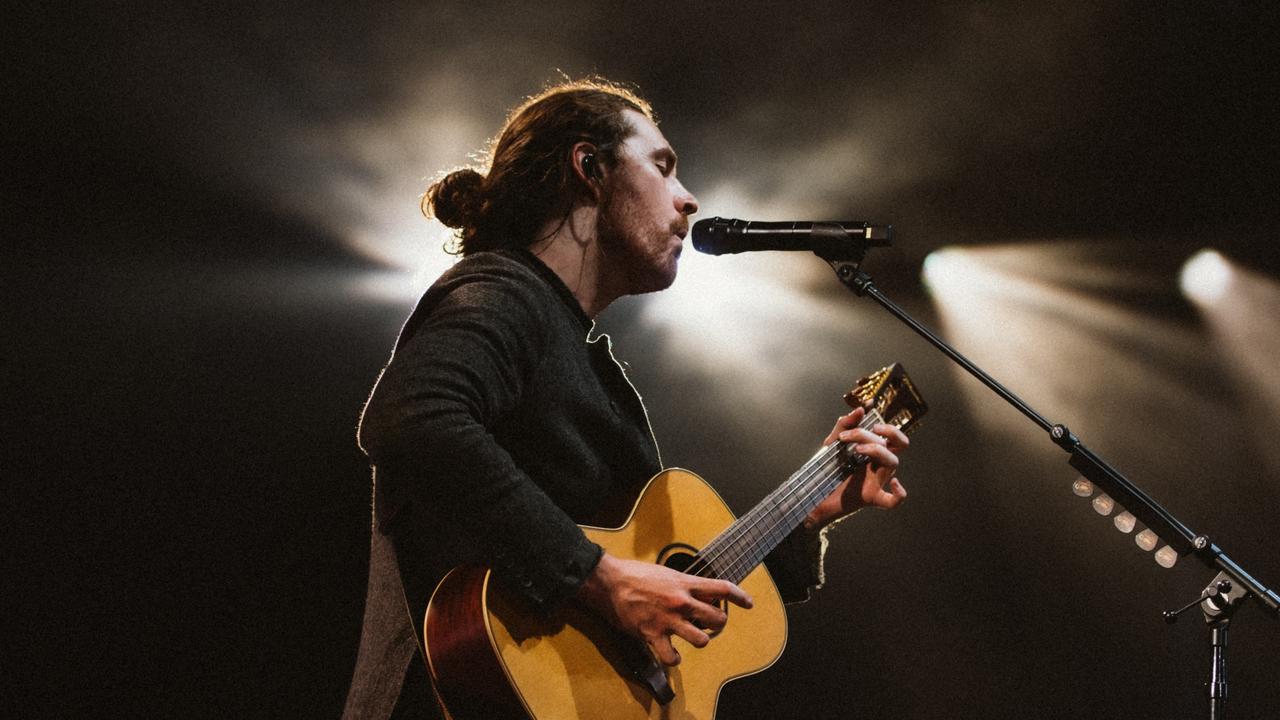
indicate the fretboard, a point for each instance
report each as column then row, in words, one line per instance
column 734, row 553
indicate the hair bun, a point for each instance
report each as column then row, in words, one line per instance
column 455, row 199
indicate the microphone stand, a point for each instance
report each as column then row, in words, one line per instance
column 1232, row 583
column 1218, row 603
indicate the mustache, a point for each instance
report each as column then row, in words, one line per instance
column 680, row 227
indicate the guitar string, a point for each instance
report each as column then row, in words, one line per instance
column 798, row 485
column 715, row 552
column 829, row 471
column 734, row 533
column 749, row 552
column 781, row 496
column 741, row 545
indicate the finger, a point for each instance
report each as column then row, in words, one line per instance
column 664, row 650
column 878, row 455
column 706, row 615
column 897, row 489
column 844, row 422
column 893, row 434
column 715, row 590
column 850, row 419
column 691, row 634
column 862, row 435
column 893, row 497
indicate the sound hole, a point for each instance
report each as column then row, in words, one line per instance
column 679, row 556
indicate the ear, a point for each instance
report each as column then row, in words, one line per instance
column 587, row 168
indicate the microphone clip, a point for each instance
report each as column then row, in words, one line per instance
column 834, row 243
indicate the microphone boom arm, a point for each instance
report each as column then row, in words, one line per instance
column 1095, row 469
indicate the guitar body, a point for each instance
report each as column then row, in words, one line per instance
column 490, row 657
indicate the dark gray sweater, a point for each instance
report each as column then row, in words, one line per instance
column 498, row 426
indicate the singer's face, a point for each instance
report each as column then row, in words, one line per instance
column 645, row 213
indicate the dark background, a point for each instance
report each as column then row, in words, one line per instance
column 212, row 237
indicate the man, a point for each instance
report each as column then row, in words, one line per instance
column 500, row 423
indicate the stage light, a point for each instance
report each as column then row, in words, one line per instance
column 940, row 267
column 1040, row 317
column 1051, row 322
column 1206, row 277
column 1125, row 522
column 965, row 277
column 413, row 252
column 1082, row 487
column 1166, row 556
column 1241, row 313
column 1103, row 504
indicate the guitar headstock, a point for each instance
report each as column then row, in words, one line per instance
column 892, row 394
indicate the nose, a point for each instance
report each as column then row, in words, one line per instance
column 685, row 202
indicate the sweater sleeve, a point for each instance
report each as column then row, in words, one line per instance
column 457, row 370
column 796, row 564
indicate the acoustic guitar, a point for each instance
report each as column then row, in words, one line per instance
column 490, row 657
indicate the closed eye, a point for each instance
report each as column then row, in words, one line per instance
column 665, row 161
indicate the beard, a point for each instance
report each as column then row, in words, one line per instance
column 640, row 251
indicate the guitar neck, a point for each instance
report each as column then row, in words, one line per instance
column 734, row 553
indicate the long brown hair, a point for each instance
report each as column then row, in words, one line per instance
column 530, row 179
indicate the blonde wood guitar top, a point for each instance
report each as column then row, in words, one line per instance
column 567, row 668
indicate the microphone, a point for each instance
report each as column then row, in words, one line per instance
column 833, row 240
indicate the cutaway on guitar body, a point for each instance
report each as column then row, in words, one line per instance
column 492, row 658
